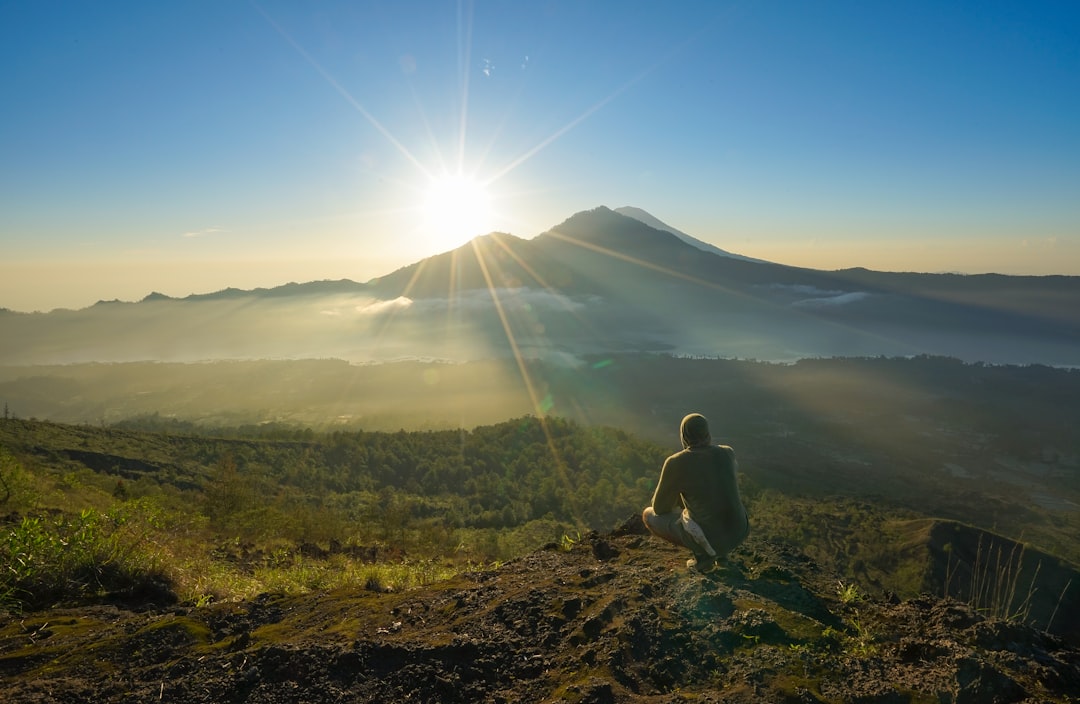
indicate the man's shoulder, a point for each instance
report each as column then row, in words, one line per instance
column 681, row 460
column 725, row 451
column 711, row 449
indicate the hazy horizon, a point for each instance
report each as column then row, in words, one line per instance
column 131, row 285
column 130, row 282
column 190, row 148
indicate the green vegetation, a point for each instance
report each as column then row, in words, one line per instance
column 867, row 466
column 992, row 446
column 248, row 527
column 102, row 513
column 66, row 557
column 848, row 593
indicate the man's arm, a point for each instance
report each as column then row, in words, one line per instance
column 666, row 497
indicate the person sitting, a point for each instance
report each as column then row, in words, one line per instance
column 697, row 503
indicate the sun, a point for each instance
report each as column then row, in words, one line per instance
column 456, row 209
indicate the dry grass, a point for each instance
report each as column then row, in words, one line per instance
column 997, row 586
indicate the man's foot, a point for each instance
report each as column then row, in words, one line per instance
column 701, row 564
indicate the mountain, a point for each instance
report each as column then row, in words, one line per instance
column 598, row 283
column 655, row 223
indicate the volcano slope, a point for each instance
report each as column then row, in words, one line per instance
column 612, row 617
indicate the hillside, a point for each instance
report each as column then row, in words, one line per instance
column 992, row 447
column 276, row 564
column 609, row 618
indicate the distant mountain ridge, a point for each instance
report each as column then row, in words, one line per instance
column 600, row 281
column 311, row 288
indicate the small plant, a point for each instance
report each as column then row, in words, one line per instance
column 863, row 642
column 848, row 593
column 831, row 634
column 857, row 639
column 567, row 543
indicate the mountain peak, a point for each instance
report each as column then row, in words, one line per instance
column 605, row 227
column 654, row 222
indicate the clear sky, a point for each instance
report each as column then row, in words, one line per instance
column 183, row 147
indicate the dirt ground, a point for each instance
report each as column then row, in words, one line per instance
column 616, row 618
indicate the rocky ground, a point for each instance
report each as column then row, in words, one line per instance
column 611, row 618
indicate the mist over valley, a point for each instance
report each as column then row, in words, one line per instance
column 599, row 283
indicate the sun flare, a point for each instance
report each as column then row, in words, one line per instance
column 456, row 209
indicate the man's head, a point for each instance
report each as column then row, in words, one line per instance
column 695, row 431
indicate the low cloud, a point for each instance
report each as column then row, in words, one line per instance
column 837, row 300
column 510, row 299
column 378, row 307
column 353, row 307
column 205, row 232
column 814, row 297
column 804, row 290
column 1043, row 243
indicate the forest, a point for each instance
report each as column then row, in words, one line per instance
column 462, row 497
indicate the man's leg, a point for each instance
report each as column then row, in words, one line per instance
column 664, row 525
column 669, row 527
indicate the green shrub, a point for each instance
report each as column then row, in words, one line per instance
column 17, row 489
column 78, row 558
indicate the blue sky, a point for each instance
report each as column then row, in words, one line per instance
column 189, row 146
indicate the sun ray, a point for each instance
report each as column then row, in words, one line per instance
column 402, row 149
column 526, row 378
column 534, row 274
column 464, row 47
column 453, row 294
column 543, row 144
column 392, row 313
column 643, row 263
column 590, row 111
column 510, row 337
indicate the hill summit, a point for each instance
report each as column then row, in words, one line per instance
column 612, row 617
